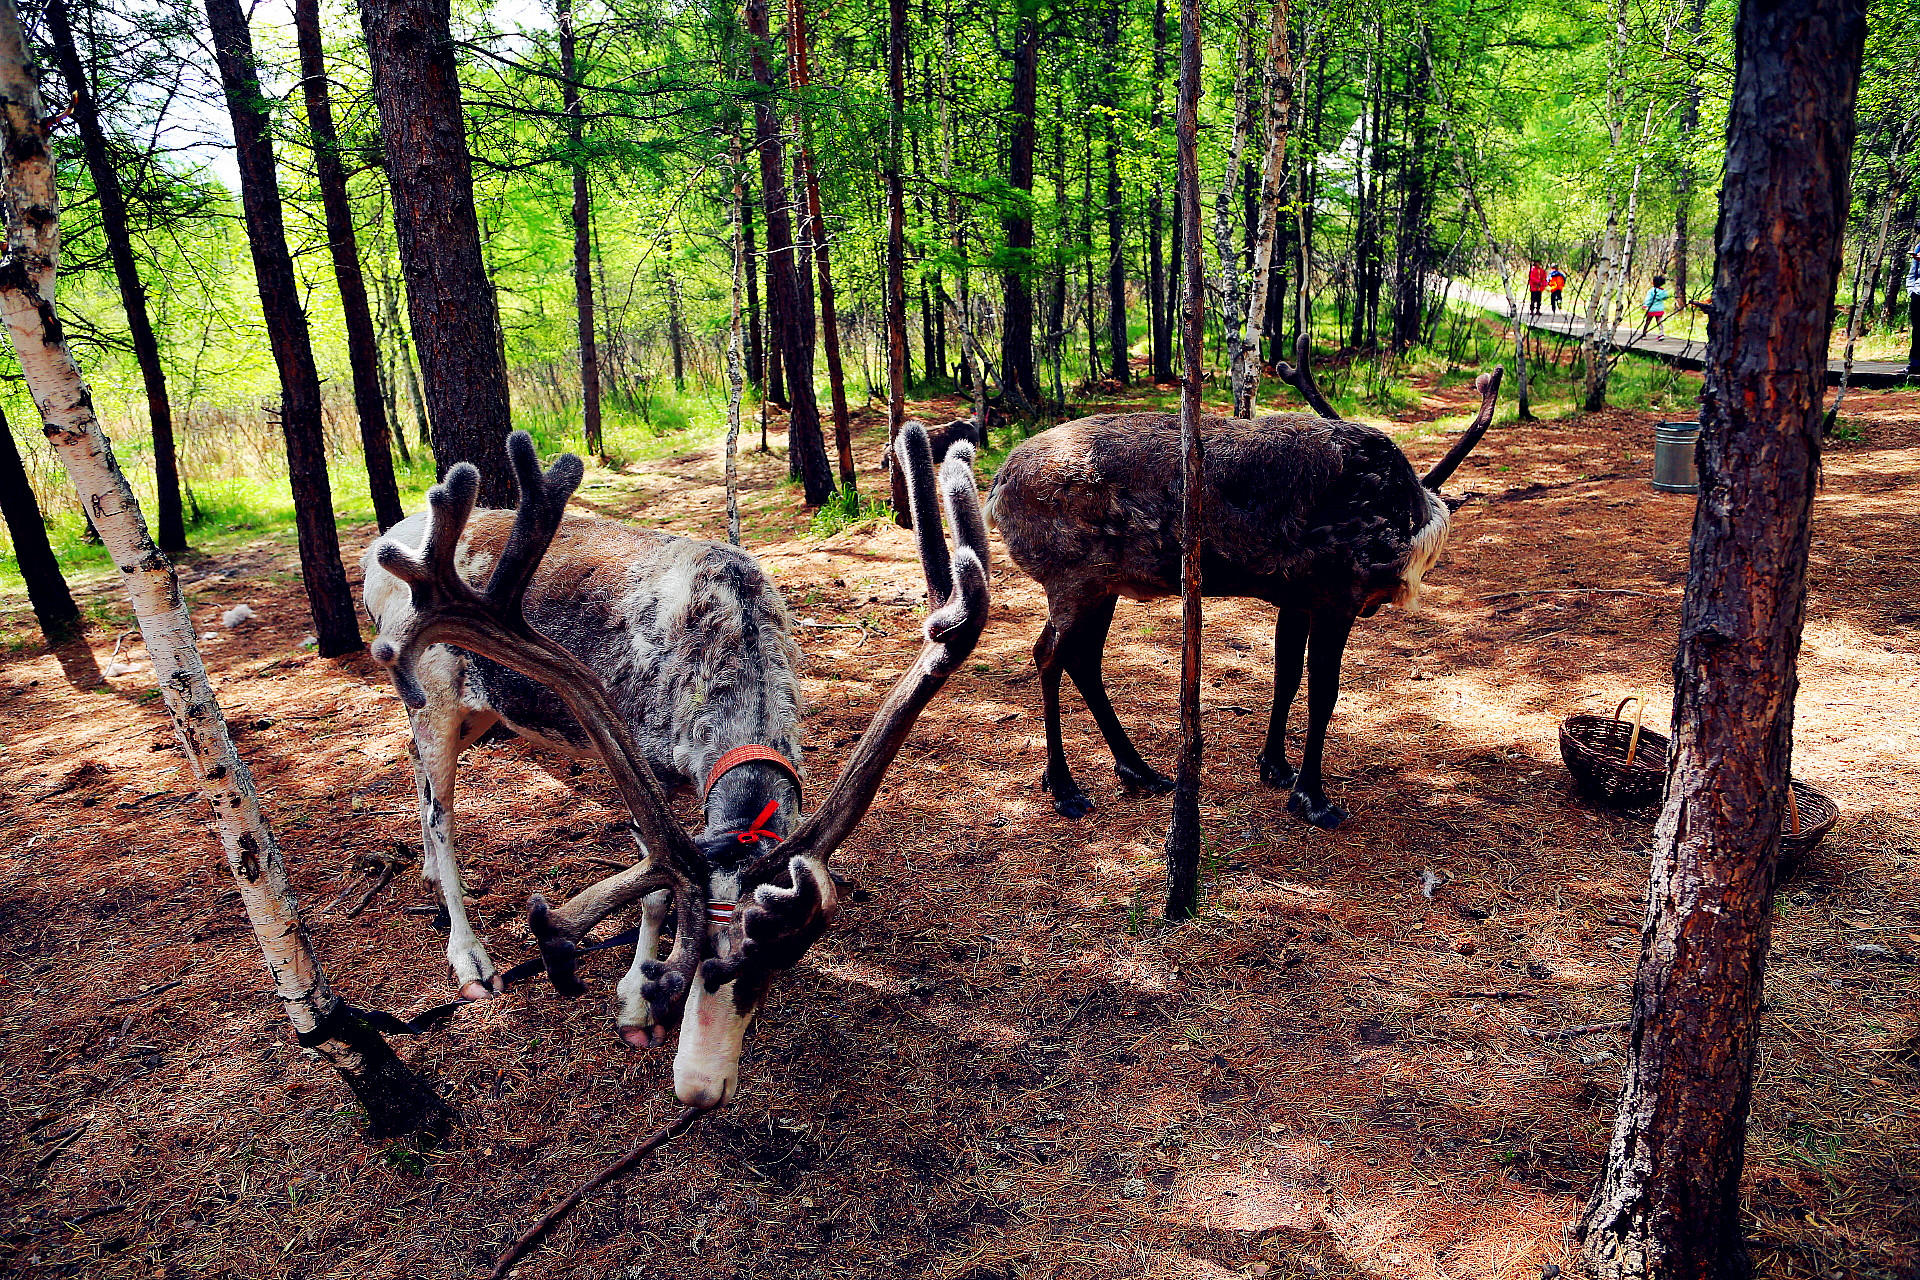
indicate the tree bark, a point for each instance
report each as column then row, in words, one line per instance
column 582, row 215
column 756, row 367
column 792, row 314
column 126, row 272
column 735, row 383
column 1273, row 176
column 450, row 301
column 363, row 353
column 53, row 606
column 1020, row 383
column 336, row 624
column 896, row 224
column 676, row 340
column 1159, row 308
column 1233, row 300
column 1668, row 1204
column 1118, row 367
column 1183, row 834
column 396, row 1101
column 816, row 221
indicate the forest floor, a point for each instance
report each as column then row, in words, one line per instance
column 999, row 1063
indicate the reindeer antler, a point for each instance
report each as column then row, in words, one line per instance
column 493, row 624
column 1299, row 376
column 788, row 895
column 1488, row 384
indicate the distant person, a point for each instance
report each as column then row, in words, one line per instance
column 1913, row 312
column 1536, row 281
column 1657, row 299
column 1556, row 284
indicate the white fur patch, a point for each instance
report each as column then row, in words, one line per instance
column 1428, row 545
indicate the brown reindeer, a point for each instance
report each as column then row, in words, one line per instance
column 629, row 674
column 1325, row 520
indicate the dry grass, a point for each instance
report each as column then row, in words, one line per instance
column 999, row 1063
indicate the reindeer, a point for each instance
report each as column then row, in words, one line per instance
column 1326, row 520
column 665, row 657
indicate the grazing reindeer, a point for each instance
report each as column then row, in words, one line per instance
column 662, row 656
column 1326, row 520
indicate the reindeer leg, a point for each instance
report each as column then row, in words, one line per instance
column 1083, row 651
column 440, row 733
column 1289, row 655
column 1068, row 800
column 1326, row 647
column 635, row 1020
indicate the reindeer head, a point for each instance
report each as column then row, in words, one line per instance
column 737, row 920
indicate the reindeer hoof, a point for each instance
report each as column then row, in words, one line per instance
column 476, row 990
column 1143, row 781
column 644, row 1037
column 1322, row 813
column 1074, row 806
column 1280, row 777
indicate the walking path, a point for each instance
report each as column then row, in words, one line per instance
column 1687, row 354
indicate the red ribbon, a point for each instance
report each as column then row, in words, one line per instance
column 758, row 831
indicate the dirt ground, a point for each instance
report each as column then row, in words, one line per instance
column 999, row 1063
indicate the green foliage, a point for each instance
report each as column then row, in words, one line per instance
column 845, row 509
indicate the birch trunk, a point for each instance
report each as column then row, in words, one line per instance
column 1232, row 297
column 1273, row 175
column 395, row 1099
column 735, row 383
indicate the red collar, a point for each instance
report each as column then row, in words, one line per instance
column 744, row 755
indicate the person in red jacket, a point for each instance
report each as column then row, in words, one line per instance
column 1536, row 281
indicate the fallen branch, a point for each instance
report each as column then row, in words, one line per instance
column 148, row 993
column 1581, row 591
column 1568, row 1033
column 1492, row 995
column 618, row 1168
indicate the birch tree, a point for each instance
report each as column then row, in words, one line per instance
column 395, row 1099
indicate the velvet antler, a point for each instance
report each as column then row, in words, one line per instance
column 493, row 624
column 788, row 895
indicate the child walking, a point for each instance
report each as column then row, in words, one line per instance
column 1556, row 282
column 1536, row 281
column 1657, row 298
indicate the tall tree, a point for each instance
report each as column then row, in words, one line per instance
column 450, row 299
column 1277, row 114
column 896, row 286
column 53, row 606
column 802, row 76
column 582, row 216
column 1159, row 305
column 1668, row 1203
column 1118, row 368
column 1019, row 381
column 1183, row 833
column 133, row 294
column 336, row 624
column 792, row 315
column 363, row 351
column 395, row 1099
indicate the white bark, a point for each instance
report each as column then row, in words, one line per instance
column 66, row 406
column 734, row 380
column 1233, row 316
column 1279, row 122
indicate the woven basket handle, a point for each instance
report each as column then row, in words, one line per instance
column 1633, row 740
column 1793, row 808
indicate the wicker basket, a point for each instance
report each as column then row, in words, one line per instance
column 1615, row 762
column 1808, row 818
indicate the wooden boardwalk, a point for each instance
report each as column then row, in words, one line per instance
column 1676, row 351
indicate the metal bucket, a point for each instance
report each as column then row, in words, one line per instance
column 1673, row 468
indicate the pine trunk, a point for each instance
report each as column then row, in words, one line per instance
column 896, row 307
column 112, row 202
column 450, row 301
column 1183, row 834
column 797, row 60
column 792, row 312
column 336, row 624
column 1668, row 1203
column 363, row 351
column 53, row 606
column 1273, row 176
column 1159, row 305
column 582, row 215
column 1019, row 382
column 396, row 1101
column 756, row 366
